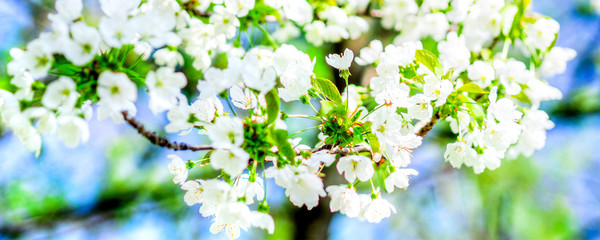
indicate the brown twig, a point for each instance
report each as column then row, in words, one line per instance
column 425, row 129
column 162, row 141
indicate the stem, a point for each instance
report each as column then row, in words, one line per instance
column 267, row 36
column 376, row 108
column 459, row 103
column 230, row 105
column 313, row 107
column 347, row 94
column 411, row 86
column 262, row 163
column 373, row 186
column 84, row 85
column 493, row 44
column 505, row 49
column 304, row 116
column 249, row 36
column 304, row 130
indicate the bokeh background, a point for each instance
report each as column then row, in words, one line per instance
column 117, row 186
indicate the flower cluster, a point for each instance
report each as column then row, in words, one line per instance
column 475, row 65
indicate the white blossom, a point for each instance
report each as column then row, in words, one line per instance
column 399, row 178
column 225, row 20
column 556, row 60
column 116, row 31
column 298, row 11
column 482, row 73
column 217, row 192
column 401, row 55
column 69, row 10
column 340, row 62
column 542, row 33
column 305, row 189
column 344, row 199
column 164, row 87
column 438, row 91
column 230, row 217
column 193, row 194
column 240, row 7
column 356, row 166
column 118, row 7
column 37, row 59
column 370, row 54
column 84, row 44
column 24, row 82
column 243, row 98
column 420, row 107
column 168, row 57
column 73, row 130
column 322, row 157
column 539, row 91
column 116, row 90
column 263, row 221
column 60, row 93
column 178, row 168
column 296, row 83
column 377, row 209
column 226, row 133
column 512, row 73
column 504, row 109
column 23, row 129
column 214, row 84
column 454, row 52
column 250, row 190
column 232, row 162
column 459, row 152
column 535, row 123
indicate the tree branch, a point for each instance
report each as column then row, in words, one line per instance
column 425, row 129
column 157, row 140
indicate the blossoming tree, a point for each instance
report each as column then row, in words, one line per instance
column 477, row 65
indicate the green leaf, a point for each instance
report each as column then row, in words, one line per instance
column 37, row 85
column 449, row 74
column 516, row 30
column 328, row 89
column 409, row 71
column 553, row 43
column 431, row 45
column 476, row 110
column 430, row 61
column 522, row 97
column 471, row 88
column 374, row 142
column 419, row 79
column 340, row 111
column 326, row 107
column 285, row 148
column 367, row 125
column 273, row 105
column 355, row 117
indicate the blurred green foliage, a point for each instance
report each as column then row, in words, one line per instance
column 510, row 197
